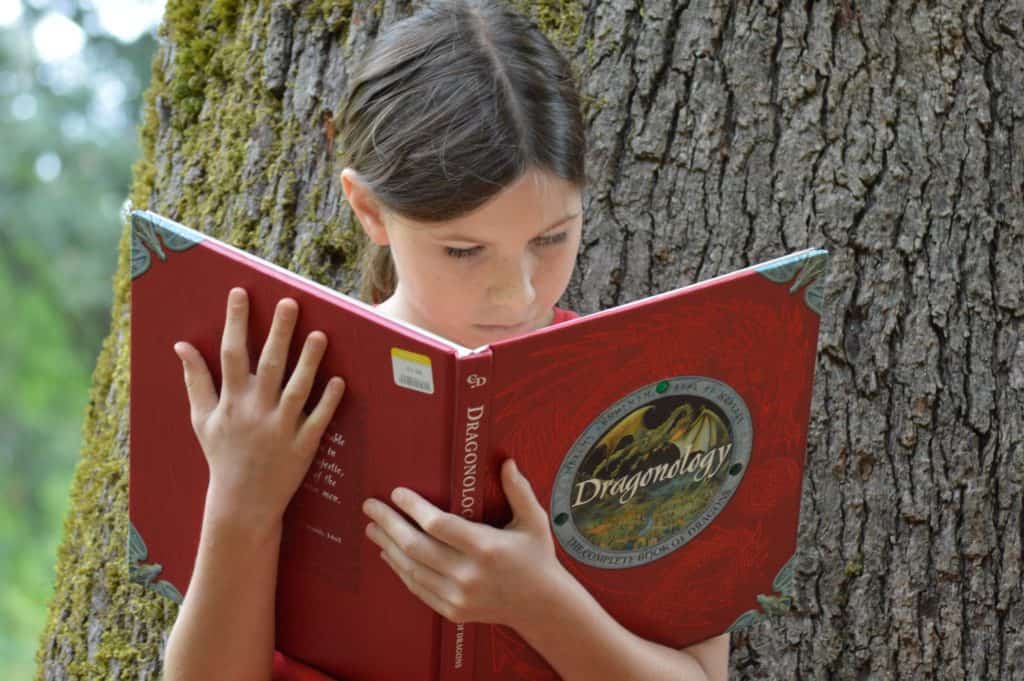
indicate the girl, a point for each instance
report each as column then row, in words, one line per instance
column 464, row 150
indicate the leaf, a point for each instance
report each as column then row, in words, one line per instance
column 144, row 574
column 807, row 269
column 148, row 231
column 775, row 606
column 137, row 550
column 168, row 590
column 783, row 583
column 747, row 619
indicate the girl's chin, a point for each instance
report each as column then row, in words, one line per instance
column 492, row 334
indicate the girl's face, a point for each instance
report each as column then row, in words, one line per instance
column 492, row 274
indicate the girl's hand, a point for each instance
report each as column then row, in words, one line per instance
column 468, row 571
column 257, row 441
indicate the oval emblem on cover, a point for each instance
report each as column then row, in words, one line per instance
column 651, row 471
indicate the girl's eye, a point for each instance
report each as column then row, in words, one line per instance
column 548, row 240
column 551, row 239
column 461, row 252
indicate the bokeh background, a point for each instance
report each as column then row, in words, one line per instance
column 72, row 74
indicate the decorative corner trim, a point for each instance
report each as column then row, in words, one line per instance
column 145, row 573
column 148, row 231
column 805, row 269
column 774, row 605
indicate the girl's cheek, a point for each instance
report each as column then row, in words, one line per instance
column 560, row 267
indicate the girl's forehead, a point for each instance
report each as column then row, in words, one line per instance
column 537, row 198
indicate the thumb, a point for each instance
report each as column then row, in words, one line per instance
column 526, row 509
column 202, row 396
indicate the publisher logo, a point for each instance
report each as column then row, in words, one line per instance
column 651, row 471
column 476, row 381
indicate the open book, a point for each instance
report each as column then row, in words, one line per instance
column 666, row 437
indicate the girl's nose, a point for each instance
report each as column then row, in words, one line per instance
column 513, row 287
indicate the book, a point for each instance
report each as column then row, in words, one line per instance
column 666, row 438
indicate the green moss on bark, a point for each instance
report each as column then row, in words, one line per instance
column 334, row 14
column 92, row 585
column 214, row 96
column 560, row 21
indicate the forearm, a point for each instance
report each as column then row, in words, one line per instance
column 225, row 628
column 582, row 642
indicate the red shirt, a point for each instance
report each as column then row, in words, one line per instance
column 287, row 669
column 562, row 315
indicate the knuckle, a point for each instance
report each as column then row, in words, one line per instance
column 415, row 574
column 292, row 396
column 488, row 552
column 275, row 421
column 435, row 524
column 218, row 427
column 458, row 602
column 407, row 543
column 227, row 409
column 234, row 416
column 469, row 578
column 269, row 364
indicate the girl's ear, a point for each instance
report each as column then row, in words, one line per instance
column 366, row 207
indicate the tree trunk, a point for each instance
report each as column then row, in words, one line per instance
column 721, row 134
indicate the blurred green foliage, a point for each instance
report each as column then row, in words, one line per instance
column 68, row 135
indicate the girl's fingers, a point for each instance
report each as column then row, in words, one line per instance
column 390, row 530
column 526, row 509
column 313, row 429
column 202, row 396
column 424, row 575
column 296, row 392
column 454, row 530
column 234, row 353
column 270, row 370
column 433, row 601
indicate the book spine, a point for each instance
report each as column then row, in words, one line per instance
column 469, row 451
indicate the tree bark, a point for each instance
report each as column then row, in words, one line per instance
column 721, row 134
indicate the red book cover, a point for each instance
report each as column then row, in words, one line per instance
column 666, row 437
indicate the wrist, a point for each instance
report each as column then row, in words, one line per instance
column 226, row 515
column 557, row 594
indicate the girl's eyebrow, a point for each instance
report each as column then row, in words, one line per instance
column 459, row 237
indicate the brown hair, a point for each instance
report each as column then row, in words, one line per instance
column 449, row 107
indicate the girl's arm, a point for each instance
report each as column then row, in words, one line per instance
column 258, row 444
column 582, row 641
column 225, row 627
column 472, row 572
